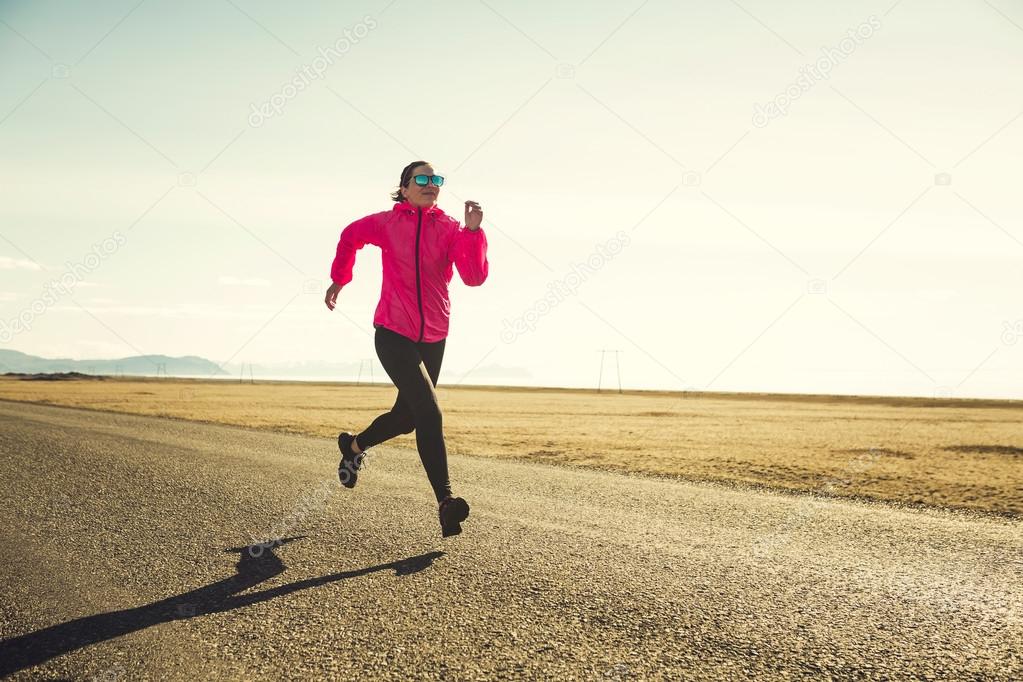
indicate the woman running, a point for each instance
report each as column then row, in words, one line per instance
column 419, row 243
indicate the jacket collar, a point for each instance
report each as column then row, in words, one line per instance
column 406, row 207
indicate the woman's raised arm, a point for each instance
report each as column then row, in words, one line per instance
column 363, row 231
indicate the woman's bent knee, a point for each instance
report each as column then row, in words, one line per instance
column 428, row 411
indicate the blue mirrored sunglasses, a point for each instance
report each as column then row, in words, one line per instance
column 422, row 180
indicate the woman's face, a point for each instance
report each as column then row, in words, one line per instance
column 425, row 196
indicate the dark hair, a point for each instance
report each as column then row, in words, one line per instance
column 406, row 178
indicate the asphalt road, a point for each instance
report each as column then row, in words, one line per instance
column 129, row 553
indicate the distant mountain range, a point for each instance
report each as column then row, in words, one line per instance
column 138, row 365
column 12, row 361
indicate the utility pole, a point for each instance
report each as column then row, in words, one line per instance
column 369, row 362
column 241, row 376
column 618, row 368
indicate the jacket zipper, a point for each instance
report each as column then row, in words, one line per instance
column 419, row 287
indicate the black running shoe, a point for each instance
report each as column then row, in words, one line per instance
column 348, row 468
column 452, row 511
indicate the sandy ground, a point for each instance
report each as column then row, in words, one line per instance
column 952, row 453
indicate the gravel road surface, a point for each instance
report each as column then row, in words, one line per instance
column 140, row 548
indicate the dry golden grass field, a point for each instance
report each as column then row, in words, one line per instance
column 964, row 454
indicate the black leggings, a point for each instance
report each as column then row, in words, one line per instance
column 414, row 368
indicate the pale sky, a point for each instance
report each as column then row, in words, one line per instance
column 868, row 240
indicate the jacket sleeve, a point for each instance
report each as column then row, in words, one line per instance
column 468, row 251
column 363, row 231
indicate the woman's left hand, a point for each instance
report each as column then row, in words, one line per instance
column 473, row 215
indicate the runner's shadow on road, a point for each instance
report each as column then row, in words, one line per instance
column 257, row 563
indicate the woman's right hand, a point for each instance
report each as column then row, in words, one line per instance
column 331, row 299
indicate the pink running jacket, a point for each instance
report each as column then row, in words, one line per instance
column 418, row 247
